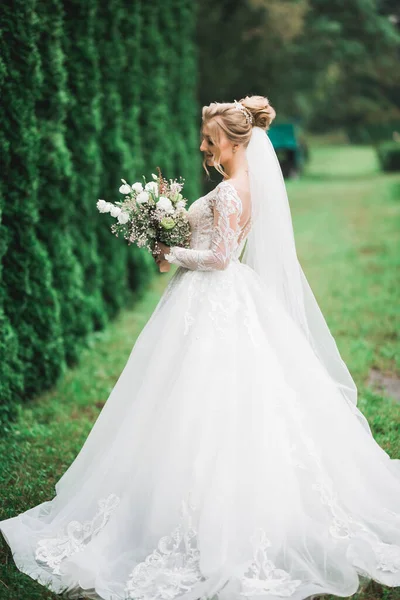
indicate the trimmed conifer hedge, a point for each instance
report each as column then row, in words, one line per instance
column 389, row 155
column 91, row 92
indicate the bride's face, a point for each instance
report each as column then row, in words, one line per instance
column 210, row 149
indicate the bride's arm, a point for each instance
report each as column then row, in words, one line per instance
column 227, row 211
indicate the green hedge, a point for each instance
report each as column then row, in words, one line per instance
column 82, row 132
column 91, row 92
column 372, row 133
column 30, row 300
column 389, row 156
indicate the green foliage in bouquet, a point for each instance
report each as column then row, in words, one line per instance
column 150, row 212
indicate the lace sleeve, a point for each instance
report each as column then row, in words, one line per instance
column 227, row 211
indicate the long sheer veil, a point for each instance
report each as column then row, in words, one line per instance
column 270, row 250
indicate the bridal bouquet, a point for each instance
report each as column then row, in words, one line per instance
column 151, row 212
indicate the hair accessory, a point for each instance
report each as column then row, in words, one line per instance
column 244, row 110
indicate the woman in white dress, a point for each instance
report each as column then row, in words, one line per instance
column 230, row 460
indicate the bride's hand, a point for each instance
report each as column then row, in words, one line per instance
column 160, row 251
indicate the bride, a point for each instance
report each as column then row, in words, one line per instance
column 230, row 460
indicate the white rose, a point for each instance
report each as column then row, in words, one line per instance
column 123, row 217
column 165, row 204
column 142, row 197
column 115, row 211
column 125, row 189
column 102, row 206
column 137, row 187
column 152, row 186
column 106, row 207
column 180, row 204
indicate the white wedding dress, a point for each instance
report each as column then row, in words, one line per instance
column 225, row 463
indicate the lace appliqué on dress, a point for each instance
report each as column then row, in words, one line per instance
column 388, row 556
column 343, row 525
column 214, row 220
column 216, row 242
column 173, row 567
column 262, row 576
column 75, row 536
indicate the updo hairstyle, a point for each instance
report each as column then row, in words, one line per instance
column 235, row 123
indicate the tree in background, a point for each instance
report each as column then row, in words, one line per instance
column 328, row 63
column 82, row 131
column 80, row 109
column 11, row 379
column 351, row 51
column 30, row 303
column 132, row 77
column 155, row 114
column 114, row 149
column 187, row 108
column 56, row 198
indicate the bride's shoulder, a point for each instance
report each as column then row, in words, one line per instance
column 235, row 187
column 233, row 191
column 226, row 188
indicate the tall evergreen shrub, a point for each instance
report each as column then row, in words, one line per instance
column 131, row 86
column 83, row 127
column 56, row 201
column 114, row 150
column 90, row 92
column 155, row 116
column 188, row 111
column 30, row 302
column 11, row 380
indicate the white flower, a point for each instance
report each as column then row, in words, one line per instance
column 152, row 186
column 142, row 197
column 123, row 217
column 103, row 206
column 180, row 204
column 115, row 210
column 175, row 188
column 137, row 187
column 154, row 176
column 165, row 204
column 125, row 189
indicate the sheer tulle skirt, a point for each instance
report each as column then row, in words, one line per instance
column 225, row 463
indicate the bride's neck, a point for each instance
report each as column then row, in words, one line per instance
column 236, row 167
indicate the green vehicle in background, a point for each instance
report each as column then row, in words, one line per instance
column 290, row 147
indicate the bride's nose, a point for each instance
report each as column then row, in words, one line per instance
column 203, row 146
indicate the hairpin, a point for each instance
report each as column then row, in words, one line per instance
column 244, row 110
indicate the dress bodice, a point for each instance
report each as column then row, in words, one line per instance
column 217, row 239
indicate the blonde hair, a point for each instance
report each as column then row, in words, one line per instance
column 224, row 116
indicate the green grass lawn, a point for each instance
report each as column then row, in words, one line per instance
column 347, row 224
